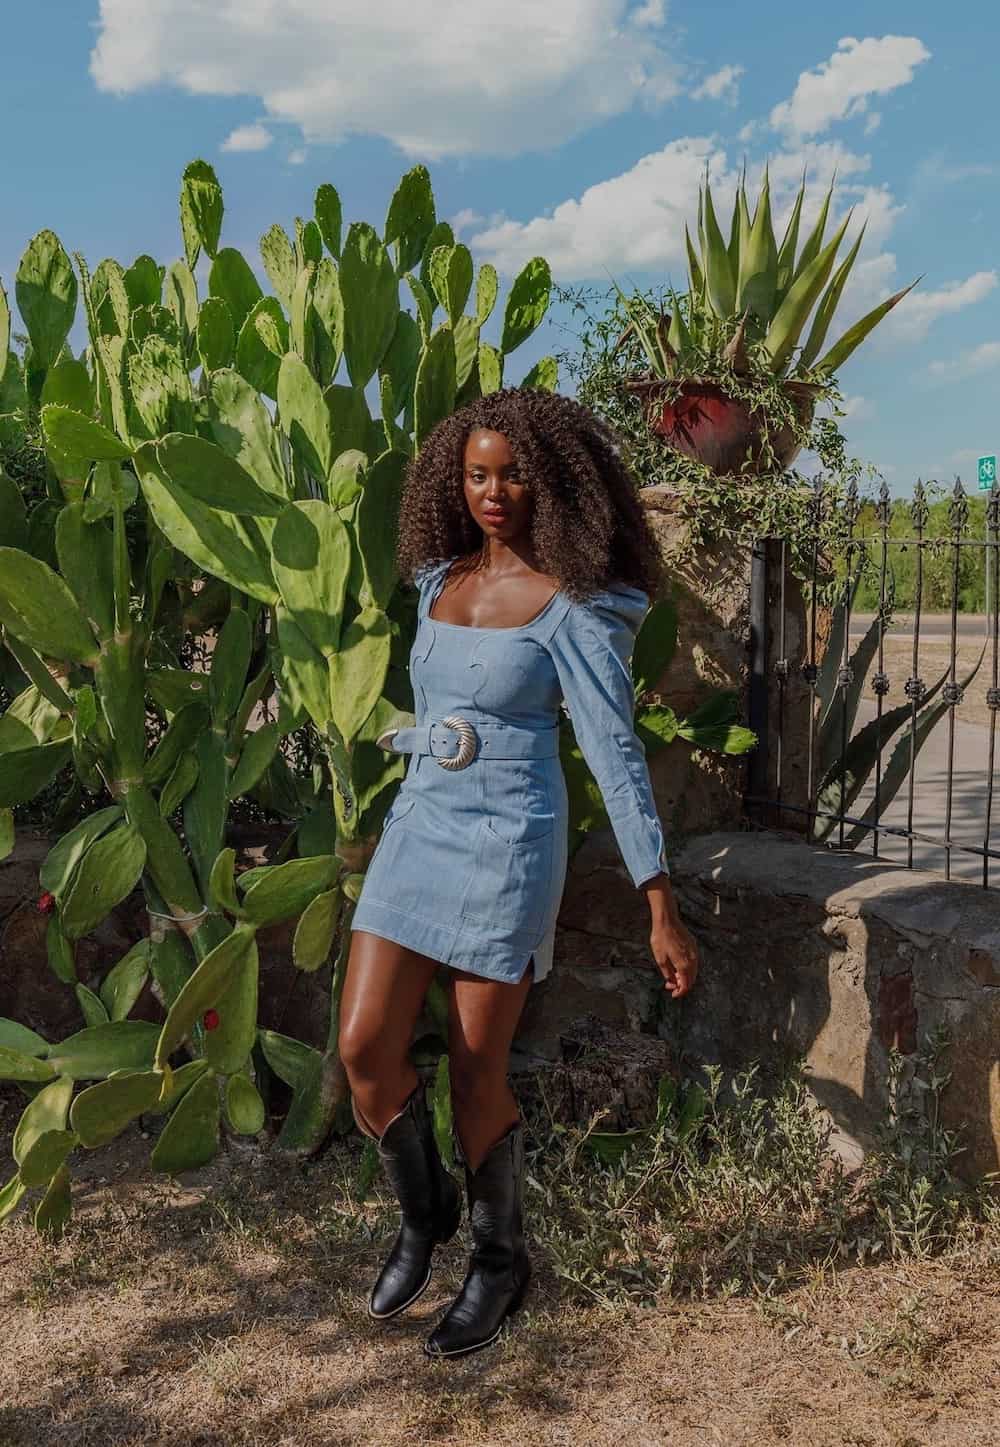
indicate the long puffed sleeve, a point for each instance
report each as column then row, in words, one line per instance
column 592, row 649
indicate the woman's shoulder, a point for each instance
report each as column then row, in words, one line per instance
column 430, row 572
column 616, row 605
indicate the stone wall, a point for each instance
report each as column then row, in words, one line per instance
column 834, row 957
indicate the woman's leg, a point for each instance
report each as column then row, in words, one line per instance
column 483, row 1016
column 384, row 991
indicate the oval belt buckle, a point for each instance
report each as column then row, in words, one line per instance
column 466, row 743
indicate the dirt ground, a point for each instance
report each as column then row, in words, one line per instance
column 935, row 653
column 228, row 1308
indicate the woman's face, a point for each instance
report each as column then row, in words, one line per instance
column 498, row 500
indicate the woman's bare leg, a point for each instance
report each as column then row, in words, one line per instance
column 383, row 995
column 482, row 1018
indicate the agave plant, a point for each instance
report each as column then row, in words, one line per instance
column 747, row 307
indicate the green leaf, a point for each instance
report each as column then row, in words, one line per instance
column 257, row 753
column 201, row 210
column 718, row 271
column 214, row 478
column 182, row 298
column 451, row 274
column 371, row 302
column 216, row 334
column 758, row 269
column 527, row 304
column 262, row 342
column 216, row 541
column 15, row 1065
column 302, row 670
column 45, row 287
column 71, row 433
column 191, row 1136
column 160, row 388
column 410, row 218
column 304, row 415
column 47, row 1111
column 285, row 890
column 86, row 560
column 144, row 282
column 14, row 1036
column 91, row 1006
column 435, row 387
column 93, row 1053
column 244, row 1106
column 124, row 982
column 291, row 1060
column 203, row 991
column 487, row 286
column 46, row 1156
column 312, row 564
column 101, row 1112
column 279, row 262
column 655, row 645
column 544, row 374
column 67, row 384
column 232, row 280
column 329, row 217
column 440, row 1103
column 228, row 1047
column 854, row 336
column 25, row 772
column 230, row 664
column 55, row 1207
column 221, row 882
column 358, row 670
column 377, row 524
column 315, row 931
column 490, row 368
column 784, row 331
column 241, row 425
column 6, row 832
column 59, row 951
column 11, row 1196
column 189, row 721
column 108, row 873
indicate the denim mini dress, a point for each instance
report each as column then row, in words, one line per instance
column 471, row 863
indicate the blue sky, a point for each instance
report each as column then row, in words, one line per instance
column 576, row 129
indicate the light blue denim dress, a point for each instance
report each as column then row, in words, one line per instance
column 471, row 863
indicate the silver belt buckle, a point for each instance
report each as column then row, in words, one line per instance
column 466, row 743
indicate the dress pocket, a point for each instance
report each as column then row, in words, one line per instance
column 509, row 888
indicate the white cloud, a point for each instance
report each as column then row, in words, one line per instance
column 840, row 86
column 248, row 138
column 914, row 316
column 720, row 85
column 650, row 13
column 585, row 237
column 967, row 364
column 298, row 156
column 429, row 75
column 872, row 123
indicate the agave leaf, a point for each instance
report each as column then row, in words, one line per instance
column 735, row 229
column 854, row 336
column 829, row 304
column 783, row 333
column 899, row 764
column 718, row 272
column 694, row 265
column 814, row 241
column 758, row 273
column 786, row 252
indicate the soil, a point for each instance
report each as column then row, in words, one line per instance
column 227, row 1307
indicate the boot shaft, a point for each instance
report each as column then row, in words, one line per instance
column 496, row 1202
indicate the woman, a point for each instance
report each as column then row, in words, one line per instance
column 534, row 565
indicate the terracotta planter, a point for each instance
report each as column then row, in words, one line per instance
column 717, row 430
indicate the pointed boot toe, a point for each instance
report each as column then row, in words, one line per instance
column 499, row 1268
column 430, row 1208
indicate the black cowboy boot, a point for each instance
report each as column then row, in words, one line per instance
column 429, row 1200
column 499, row 1270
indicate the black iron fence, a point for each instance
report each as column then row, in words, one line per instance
column 874, row 687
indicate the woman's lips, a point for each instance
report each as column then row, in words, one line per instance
column 495, row 514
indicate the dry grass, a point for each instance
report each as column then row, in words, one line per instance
column 749, row 1303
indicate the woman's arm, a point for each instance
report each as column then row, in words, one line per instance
column 591, row 649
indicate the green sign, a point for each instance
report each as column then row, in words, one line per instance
column 986, row 468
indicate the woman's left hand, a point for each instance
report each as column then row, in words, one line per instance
column 674, row 947
column 675, row 951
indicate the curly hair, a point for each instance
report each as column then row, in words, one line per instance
column 588, row 528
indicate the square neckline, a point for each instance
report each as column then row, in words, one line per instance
column 478, row 627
